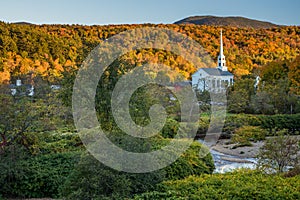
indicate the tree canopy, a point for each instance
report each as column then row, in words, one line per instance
column 51, row 50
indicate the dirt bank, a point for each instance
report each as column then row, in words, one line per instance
column 224, row 146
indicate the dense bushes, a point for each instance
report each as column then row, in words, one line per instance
column 170, row 129
column 58, row 141
column 34, row 176
column 269, row 123
column 235, row 121
column 203, row 126
column 93, row 180
column 232, row 122
column 237, row 185
column 53, row 171
column 190, row 164
column 274, row 123
column 60, row 173
column 245, row 134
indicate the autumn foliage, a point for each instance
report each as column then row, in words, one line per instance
column 50, row 50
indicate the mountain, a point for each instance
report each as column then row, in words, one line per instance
column 22, row 23
column 240, row 22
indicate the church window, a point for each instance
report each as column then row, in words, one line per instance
column 218, row 83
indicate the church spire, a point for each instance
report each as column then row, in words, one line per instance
column 221, row 44
column 221, row 57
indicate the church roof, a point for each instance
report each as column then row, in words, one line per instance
column 216, row 72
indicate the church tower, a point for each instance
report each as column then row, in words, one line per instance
column 221, row 58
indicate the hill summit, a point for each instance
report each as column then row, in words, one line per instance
column 240, row 22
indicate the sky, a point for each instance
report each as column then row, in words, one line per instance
column 90, row 12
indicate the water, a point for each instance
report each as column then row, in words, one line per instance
column 227, row 163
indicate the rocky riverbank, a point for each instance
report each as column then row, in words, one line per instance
column 224, row 146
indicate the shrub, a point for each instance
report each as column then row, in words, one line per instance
column 203, row 126
column 235, row 121
column 274, row 123
column 93, row 180
column 190, row 164
column 37, row 176
column 243, row 184
column 246, row 134
column 271, row 123
column 170, row 128
column 58, row 142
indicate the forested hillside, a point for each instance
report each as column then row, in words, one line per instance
column 43, row 155
column 226, row 21
column 50, row 50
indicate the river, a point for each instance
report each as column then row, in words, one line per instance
column 226, row 163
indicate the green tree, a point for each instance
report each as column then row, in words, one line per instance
column 238, row 101
column 17, row 117
column 261, row 103
column 239, row 96
column 279, row 153
column 21, row 116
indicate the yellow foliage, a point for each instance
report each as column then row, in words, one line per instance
column 4, row 77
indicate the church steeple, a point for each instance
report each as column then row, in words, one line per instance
column 221, row 57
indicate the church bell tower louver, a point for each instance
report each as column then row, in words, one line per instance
column 221, row 58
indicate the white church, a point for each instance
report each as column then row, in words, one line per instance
column 213, row 79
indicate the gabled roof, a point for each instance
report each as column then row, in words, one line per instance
column 216, row 72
